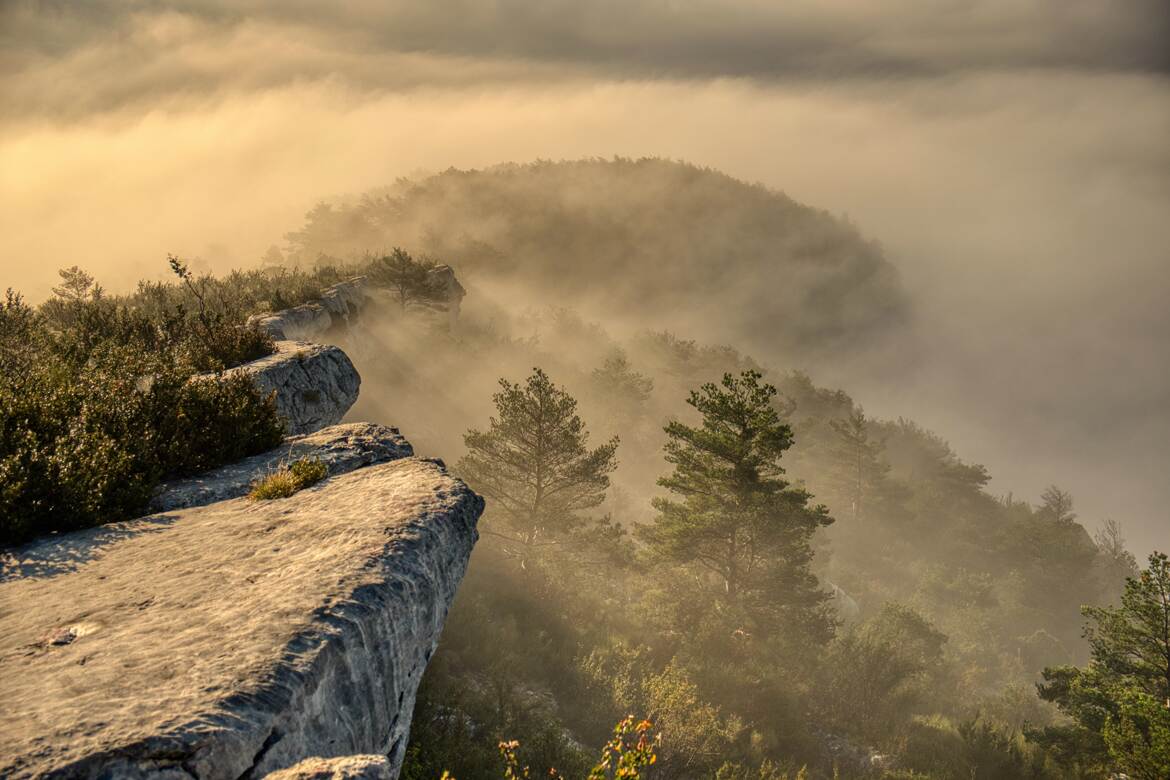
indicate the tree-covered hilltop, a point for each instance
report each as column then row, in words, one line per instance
column 640, row 241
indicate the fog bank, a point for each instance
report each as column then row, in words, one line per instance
column 1011, row 157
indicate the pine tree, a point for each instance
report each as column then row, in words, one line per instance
column 533, row 464
column 1121, row 700
column 410, row 280
column 860, row 468
column 733, row 514
column 623, row 390
column 1057, row 505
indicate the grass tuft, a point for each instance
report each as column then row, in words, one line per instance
column 288, row 479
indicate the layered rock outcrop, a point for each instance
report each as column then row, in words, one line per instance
column 226, row 638
column 310, row 321
column 235, row 638
column 315, row 384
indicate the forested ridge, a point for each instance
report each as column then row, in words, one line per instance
column 935, row 609
column 639, row 241
column 900, row 632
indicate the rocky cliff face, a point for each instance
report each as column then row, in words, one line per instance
column 314, row 384
column 338, row 304
column 234, row 638
column 226, row 638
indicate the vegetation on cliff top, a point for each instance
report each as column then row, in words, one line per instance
column 287, row 479
column 97, row 406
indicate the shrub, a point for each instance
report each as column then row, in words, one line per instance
column 288, row 479
column 976, row 748
column 94, row 415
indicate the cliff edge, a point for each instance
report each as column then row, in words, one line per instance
column 235, row 638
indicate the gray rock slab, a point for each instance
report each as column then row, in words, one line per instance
column 310, row 321
column 342, row 448
column 315, row 384
column 233, row 639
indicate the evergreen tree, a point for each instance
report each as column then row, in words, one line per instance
column 624, row 390
column 533, row 463
column 860, row 468
column 733, row 514
column 1115, row 564
column 76, row 285
column 1057, row 505
column 410, row 280
column 1121, row 700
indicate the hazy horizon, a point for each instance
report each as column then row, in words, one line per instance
column 1011, row 157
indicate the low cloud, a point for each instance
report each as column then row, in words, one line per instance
column 1010, row 156
column 68, row 60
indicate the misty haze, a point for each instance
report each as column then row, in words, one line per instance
column 722, row 389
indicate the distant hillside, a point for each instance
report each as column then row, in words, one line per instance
column 645, row 242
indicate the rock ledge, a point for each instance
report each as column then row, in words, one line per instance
column 233, row 639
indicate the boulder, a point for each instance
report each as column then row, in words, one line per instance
column 233, row 639
column 341, row 447
column 315, row 384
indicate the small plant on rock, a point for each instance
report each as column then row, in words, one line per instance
column 288, row 479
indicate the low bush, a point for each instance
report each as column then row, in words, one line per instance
column 97, row 406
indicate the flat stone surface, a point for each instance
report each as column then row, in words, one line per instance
column 342, row 448
column 233, row 639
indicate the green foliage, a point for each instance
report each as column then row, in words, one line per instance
column 624, row 390
column 222, row 338
column 534, row 463
column 288, row 479
column 99, row 402
column 1131, row 643
column 876, row 674
column 411, row 281
column 1057, row 504
column 240, row 293
column 767, row 770
column 936, row 748
column 1138, row 735
column 737, row 518
column 860, row 470
column 701, row 736
column 1120, row 702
